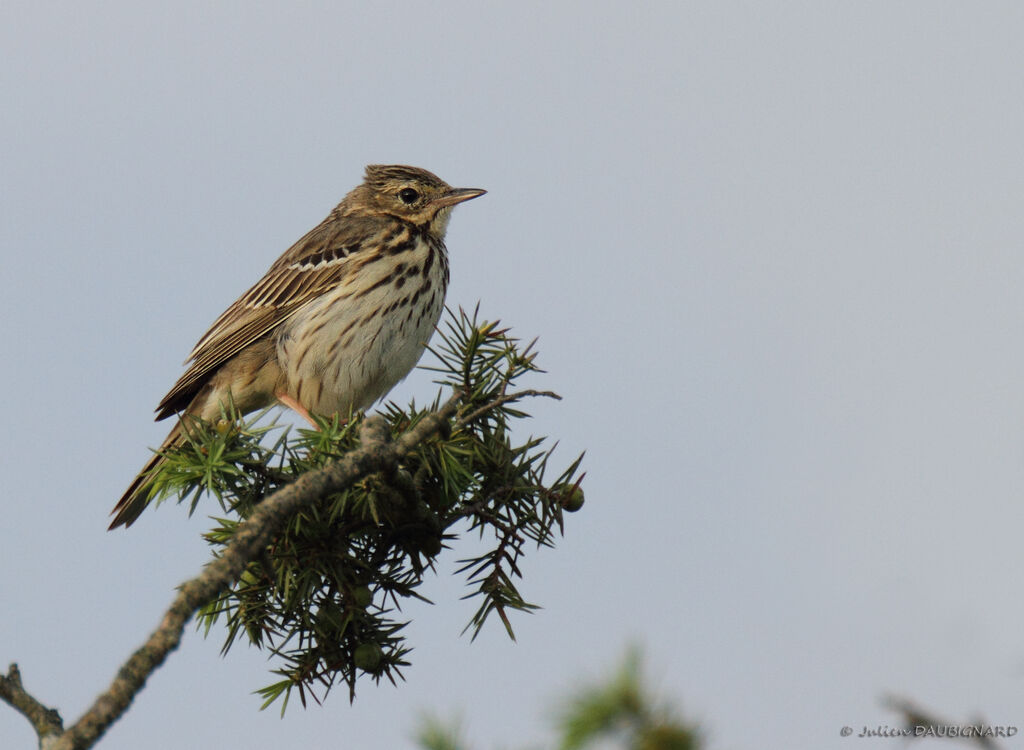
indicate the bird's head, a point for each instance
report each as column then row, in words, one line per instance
column 411, row 194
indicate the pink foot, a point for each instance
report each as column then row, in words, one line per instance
column 298, row 408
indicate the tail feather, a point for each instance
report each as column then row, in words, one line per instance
column 140, row 492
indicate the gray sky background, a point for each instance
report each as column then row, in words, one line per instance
column 773, row 255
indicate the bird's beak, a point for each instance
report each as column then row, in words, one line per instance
column 457, row 195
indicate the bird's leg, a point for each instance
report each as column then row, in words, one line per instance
column 295, row 406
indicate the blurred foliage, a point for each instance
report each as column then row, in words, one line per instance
column 322, row 598
column 619, row 713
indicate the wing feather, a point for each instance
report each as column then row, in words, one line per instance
column 312, row 266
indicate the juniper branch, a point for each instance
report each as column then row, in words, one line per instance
column 374, row 454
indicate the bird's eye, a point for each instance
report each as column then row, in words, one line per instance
column 408, row 195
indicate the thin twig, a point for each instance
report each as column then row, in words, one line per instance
column 466, row 419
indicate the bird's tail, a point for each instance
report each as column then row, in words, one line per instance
column 140, row 492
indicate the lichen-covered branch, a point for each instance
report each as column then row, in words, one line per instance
column 46, row 721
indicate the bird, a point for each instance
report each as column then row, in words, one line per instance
column 334, row 324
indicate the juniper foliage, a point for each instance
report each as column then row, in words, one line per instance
column 324, row 595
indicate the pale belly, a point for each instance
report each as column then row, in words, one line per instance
column 343, row 353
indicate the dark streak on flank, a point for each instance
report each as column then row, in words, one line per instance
column 402, row 247
column 315, row 330
column 382, row 281
column 347, row 328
